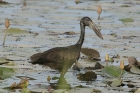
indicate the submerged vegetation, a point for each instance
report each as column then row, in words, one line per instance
column 87, row 76
column 6, row 72
column 127, row 20
column 15, row 31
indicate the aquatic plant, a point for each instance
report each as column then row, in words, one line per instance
column 127, row 20
column 6, row 72
column 7, row 24
column 99, row 11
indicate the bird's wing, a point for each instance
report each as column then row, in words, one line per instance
column 61, row 54
column 51, row 55
column 56, row 54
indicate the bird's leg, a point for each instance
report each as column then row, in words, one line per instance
column 62, row 74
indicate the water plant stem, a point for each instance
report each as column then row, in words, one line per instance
column 121, row 73
column 4, row 36
column 106, row 63
column 99, row 17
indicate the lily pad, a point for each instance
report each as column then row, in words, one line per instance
column 6, row 72
column 127, row 20
column 25, row 90
column 3, row 61
column 88, row 76
column 116, row 56
column 116, row 82
column 132, row 61
column 90, row 52
column 55, row 78
column 97, row 66
column 15, row 31
column 70, row 33
column 135, row 70
column 112, row 71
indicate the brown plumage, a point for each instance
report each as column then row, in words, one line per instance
column 62, row 58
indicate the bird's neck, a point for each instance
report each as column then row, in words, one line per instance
column 81, row 39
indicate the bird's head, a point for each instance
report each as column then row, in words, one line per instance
column 88, row 22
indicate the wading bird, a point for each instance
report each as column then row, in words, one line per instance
column 62, row 58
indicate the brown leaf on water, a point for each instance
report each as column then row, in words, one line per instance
column 48, row 78
column 13, row 85
column 126, row 37
column 127, row 68
column 77, row 1
column 96, row 91
column 70, row 33
column 22, row 84
column 113, row 34
column 132, row 61
column 87, row 76
column 97, row 66
column 116, row 56
column 90, row 52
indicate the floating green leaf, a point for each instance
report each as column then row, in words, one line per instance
column 6, row 72
column 90, row 52
column 15, row 31
column 135, row 70
column 127, row 20
column 54, row 78
column 3, row 60
column 112, row 71
column 25, row 90
column 116, row 82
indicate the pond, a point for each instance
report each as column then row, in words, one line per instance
column 39, row 25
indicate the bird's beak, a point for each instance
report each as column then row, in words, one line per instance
column 95, row 29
